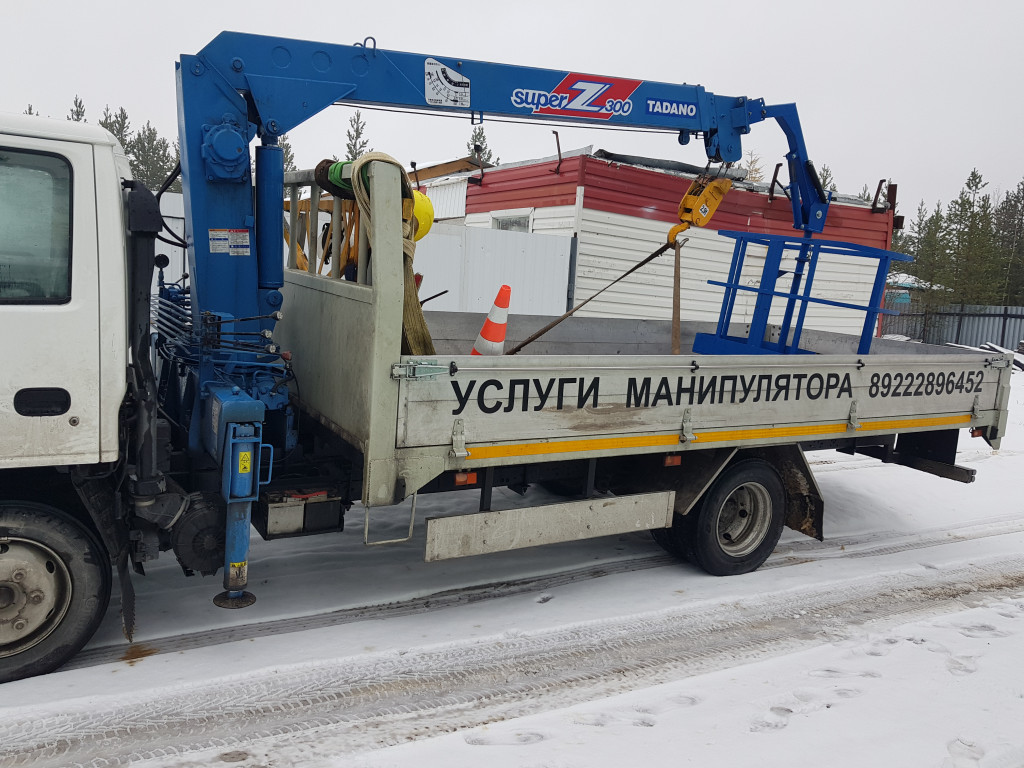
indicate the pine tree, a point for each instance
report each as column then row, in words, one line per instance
column 932, row 265
column 479, row 138
column 77, row 113
column 286, row 150
column 900, row 244
column 973, row 247
column 176, row 184
column 357, row 143
column 926, row 243
column 828, row 182
column 150, row 156
column 755, row 171
column 970, row 239
column 118, row 124
column 1009, row 242
column 30, row 111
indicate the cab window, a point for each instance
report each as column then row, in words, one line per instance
column 35, row 228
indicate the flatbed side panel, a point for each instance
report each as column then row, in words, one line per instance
column 324, row 321
column 344, row 338
column 994, row 436
column 529, row 408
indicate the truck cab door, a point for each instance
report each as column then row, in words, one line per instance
column 49, row 303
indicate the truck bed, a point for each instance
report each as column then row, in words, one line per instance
column 596, row 387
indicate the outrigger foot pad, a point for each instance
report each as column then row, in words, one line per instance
column 225, row 600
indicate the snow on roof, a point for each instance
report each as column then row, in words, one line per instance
column 671, row 167
column 903, row 280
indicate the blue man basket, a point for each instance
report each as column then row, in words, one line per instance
column 808, row 253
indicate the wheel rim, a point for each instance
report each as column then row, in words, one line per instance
column 35, row 592
column 744, row 519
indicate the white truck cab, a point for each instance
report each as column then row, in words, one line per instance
column 62, row 292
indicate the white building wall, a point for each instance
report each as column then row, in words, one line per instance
column 610, row 243
column 556, row 220
column 478, row 220
column 472, row 263
column 448, row 197
column 172, row 206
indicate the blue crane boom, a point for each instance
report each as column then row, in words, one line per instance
column 241, row 87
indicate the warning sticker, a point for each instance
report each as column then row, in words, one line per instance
column 444, row 86
column 232, row 241
column 244, row 462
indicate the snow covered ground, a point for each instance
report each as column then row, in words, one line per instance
column 896, row 642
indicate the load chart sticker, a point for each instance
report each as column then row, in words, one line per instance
column 231, row 241
column 444, row 86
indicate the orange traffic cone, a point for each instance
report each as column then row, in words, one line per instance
column 491, row 340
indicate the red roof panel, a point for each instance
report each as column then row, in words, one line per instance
column 528, row 186
column 648, row 194
column 631, row 191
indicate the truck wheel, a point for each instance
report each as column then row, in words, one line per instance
column 54, row 588
column 738, row 521
column 669, row 539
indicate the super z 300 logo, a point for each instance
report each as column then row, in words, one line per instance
column 580, row 96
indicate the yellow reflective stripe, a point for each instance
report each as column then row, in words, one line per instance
column 753, row 434
column 479, row 453
column 868, row 425
column 938, row 421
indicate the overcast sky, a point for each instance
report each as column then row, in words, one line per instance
column 918, row 91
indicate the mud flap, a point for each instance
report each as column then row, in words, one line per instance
column 103, row 506
column 124, row 579
column 932, row 452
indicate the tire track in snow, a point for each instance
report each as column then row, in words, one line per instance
column 433, row 602
column 786, row 555
column 347, row 705
column 890, row 542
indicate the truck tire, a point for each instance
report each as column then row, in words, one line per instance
column 738, row 521
column 669, row 538
column 55, row 579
